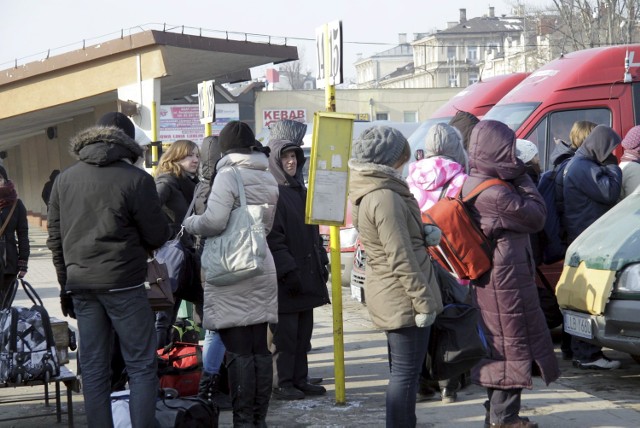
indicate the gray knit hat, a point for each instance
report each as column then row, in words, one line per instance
column 381, row 145
column 291, row 130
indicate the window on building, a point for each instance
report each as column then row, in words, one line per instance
column 382, row 116
column 451, row 52
column 472, row 54
column 473, row 78
column 410, row 116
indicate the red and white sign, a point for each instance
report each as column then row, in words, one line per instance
column 180, row 122
column 270, row 116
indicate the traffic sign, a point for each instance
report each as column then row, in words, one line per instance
column 329, row 36
column 206, row 102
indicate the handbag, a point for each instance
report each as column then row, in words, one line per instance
column 182, row 266
column 3, row 242
column 239, row 252
column 158, row 286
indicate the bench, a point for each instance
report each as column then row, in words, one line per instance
column 66, row 377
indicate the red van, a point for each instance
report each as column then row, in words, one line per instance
column 476, row 99
column 601, row 85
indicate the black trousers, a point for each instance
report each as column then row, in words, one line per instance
column 251, row 339
column 291, row 337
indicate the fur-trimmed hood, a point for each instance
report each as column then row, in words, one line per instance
column 100, row 145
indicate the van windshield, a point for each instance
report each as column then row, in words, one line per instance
column 513, row 115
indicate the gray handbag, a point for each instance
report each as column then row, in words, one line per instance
column 239, row 252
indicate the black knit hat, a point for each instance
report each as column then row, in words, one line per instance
column 236, row 136
column 120, row 121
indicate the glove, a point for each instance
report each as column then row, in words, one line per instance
column 432, row 235
column 425, row 320
column 66, row 303
column 292, row 284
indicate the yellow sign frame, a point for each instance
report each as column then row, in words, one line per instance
column 328, row 168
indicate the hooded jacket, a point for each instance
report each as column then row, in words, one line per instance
column 296, row 246
column 400, row 281
column 254, row 300
column 506, row 295
column 210, row 153
column 104, row 215
column 464, row 122
column 591, row 185
column 443, row 171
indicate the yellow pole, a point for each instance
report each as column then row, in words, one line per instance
column 207, row 129
column 334, row 238
column 154, row 136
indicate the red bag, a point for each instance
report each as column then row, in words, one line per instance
column 463, row 248
column 180, row 367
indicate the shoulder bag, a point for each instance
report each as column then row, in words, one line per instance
column 239, row 252
column 3, row 242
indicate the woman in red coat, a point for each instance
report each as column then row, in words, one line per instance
column 513, row 322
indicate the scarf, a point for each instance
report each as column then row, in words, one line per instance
column 8, row 194
column 630, row 155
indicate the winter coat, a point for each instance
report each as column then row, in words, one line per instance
column 176, row 194
column 104, row 215
column 209, row 157
column 400, row 281
column 506, row 295
column 630, row 177
column 428, row 177
column 591, row 187
column 254, row 300
column 17, row 251
column 296, row 246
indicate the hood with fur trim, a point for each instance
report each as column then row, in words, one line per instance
column 103, row 145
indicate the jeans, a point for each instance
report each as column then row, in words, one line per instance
column 127, row 313
column 212, row 352
column 407, row 349
column 164, row 323
column 503, row 406
column 585, row 352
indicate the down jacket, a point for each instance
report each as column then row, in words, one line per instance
column 104, row 215
column 591, row 184
column 507, row 297
column 296, row 247
column 255, row 300
column 400, row 281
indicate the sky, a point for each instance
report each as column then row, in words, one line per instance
column 29, row 28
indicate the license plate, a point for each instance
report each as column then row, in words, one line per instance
column 578, row 325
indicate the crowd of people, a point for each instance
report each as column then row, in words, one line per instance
column 106, row 217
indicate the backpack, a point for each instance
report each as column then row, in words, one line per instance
column 463, row 249
column 27, row 348
column 553, row 246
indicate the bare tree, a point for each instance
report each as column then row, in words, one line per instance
column 294, row 71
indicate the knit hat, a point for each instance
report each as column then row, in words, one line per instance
column 525, row 150
column 3, row 173
column 632, row 140
column 118, row 120
column 381, row 145
column 236, row 135
column 291, row 130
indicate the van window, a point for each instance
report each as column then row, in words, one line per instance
column 513, row 115
column 557, row 125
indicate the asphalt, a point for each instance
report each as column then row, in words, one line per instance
column 366, row 375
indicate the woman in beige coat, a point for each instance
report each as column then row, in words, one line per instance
column 402, row 294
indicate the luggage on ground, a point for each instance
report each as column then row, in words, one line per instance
column 180, row 367
column 27, row 347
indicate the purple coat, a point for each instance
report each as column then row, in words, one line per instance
column 506, row 295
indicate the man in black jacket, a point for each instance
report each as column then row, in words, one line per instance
column 104, row 220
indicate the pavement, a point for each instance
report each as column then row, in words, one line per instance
column 366, row 374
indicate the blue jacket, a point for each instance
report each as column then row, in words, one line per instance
column 592, row 181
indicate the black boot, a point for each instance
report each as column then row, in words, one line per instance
column 209, row 389
column 264, row 381
column 242, row 381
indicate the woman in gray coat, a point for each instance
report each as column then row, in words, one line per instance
column 506, row 295
column 241, row 312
